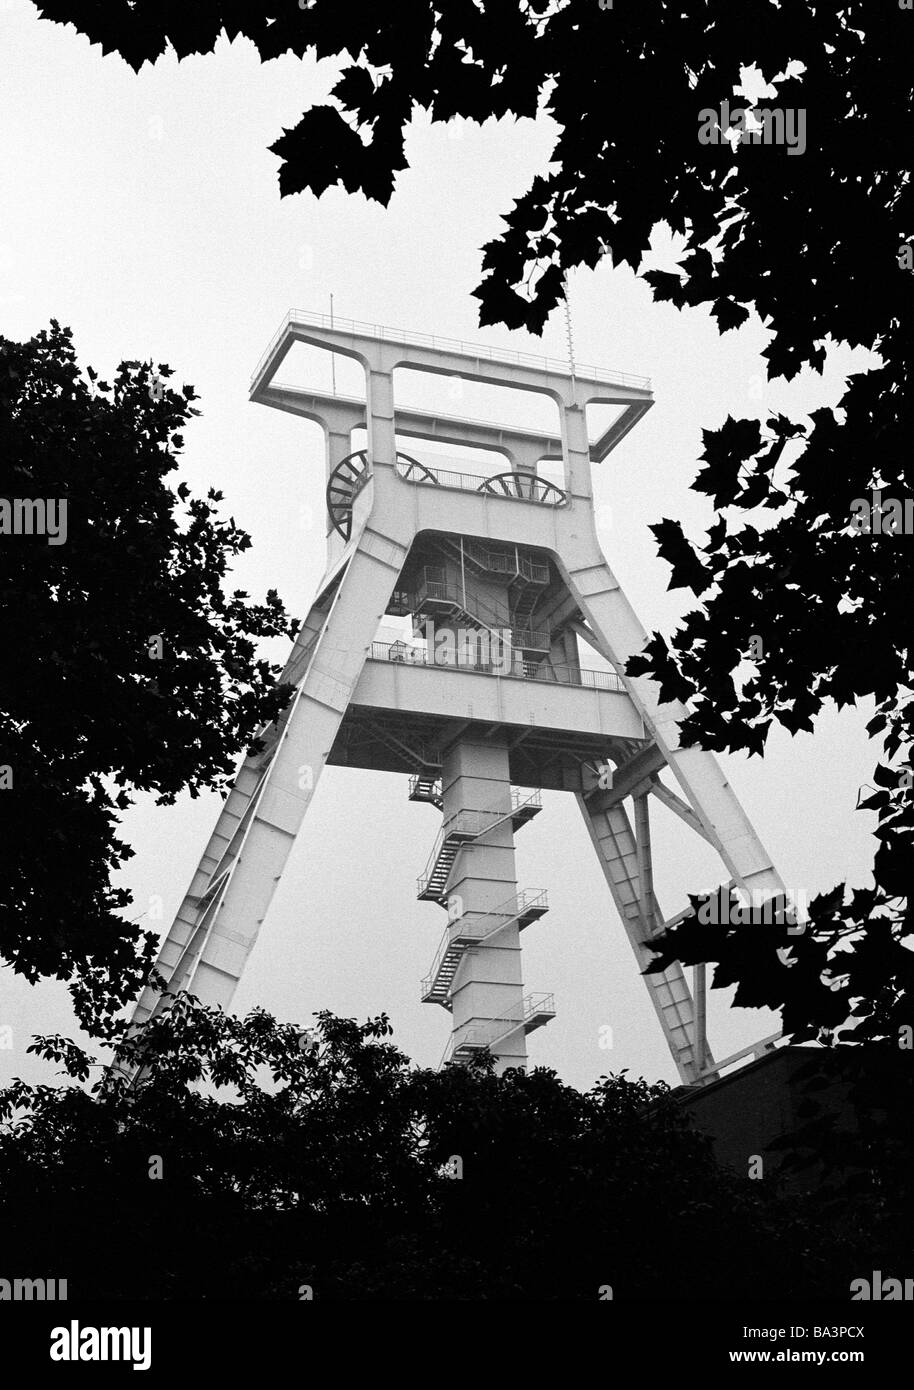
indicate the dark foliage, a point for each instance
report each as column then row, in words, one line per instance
column 328, row 1167
column 128, row 667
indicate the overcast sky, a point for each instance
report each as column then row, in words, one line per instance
column 144, row 212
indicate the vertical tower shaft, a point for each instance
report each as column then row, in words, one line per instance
column 487, row 993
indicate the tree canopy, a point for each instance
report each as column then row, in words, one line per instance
column 129, row 668
column 253, row 1160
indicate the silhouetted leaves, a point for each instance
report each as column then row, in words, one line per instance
column 327, row 1167
column 129, row 668
column 688, row 571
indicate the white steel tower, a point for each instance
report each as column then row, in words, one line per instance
column 487, row 702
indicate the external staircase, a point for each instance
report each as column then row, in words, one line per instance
column 462, row 829
column 474, row 930
column 435, row 600
column 425, row 786
column 533, row 1011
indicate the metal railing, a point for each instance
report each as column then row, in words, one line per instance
column 484, row 1035
column 517, row 800
column 476, row 482
column 406, row 654
column 466, row 931
column 465, row 825
column 551, row 365
column 472, row 824
column 500, row 563
column 458, row 825
column 493, row 620
column 469, row 825
column 428, row 982
column 420, row 778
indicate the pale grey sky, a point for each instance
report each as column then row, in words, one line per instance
column 144, row 212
